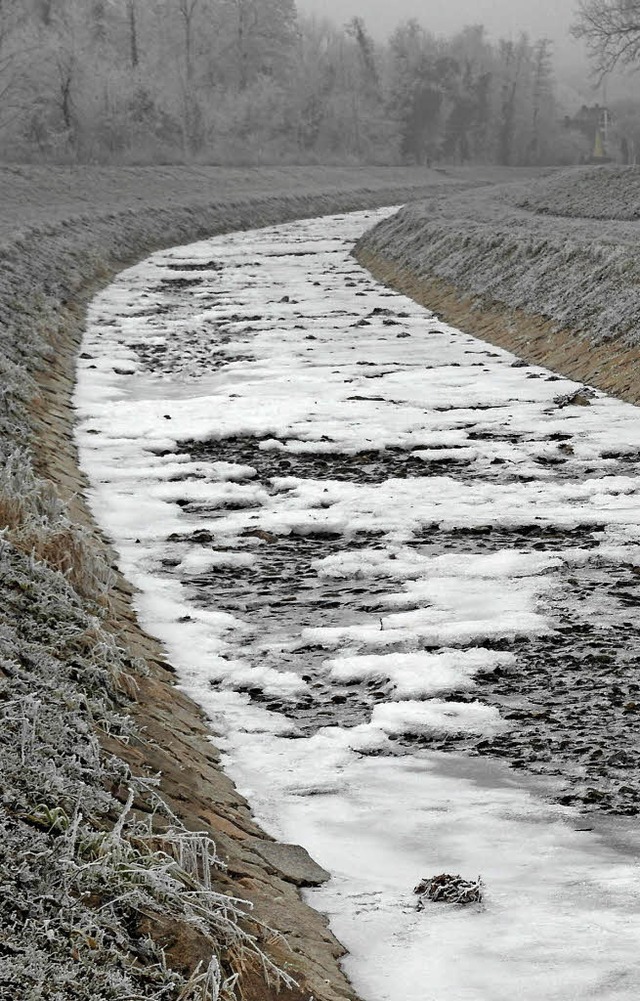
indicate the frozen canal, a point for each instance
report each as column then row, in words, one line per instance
column 390, row 561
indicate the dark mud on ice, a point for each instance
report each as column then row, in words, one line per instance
column 572, row 700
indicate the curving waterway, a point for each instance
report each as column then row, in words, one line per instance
column 399, row 570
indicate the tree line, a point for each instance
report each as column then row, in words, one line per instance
column 251, row 81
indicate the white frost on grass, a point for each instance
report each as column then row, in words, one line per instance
column 316, row 363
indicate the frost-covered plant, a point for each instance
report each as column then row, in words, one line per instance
column 86, row 879
column 35, row 519
column 25, row 498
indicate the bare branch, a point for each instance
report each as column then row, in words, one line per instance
column 611, row 31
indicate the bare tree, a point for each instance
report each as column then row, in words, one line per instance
column 357, row 29
column 611, row 29
column 188, row 10
column 16, row 48
column 542, row 96
column 134, row 48
column 247, row 20
column 252, row 79
column 264, row 31
column 512, row 58
column 66, row 76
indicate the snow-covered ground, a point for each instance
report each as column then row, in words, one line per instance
column 299, row 470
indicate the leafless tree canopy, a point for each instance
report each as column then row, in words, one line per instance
column 611, row 29
column 232, row 81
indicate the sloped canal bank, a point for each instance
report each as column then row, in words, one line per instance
column 370, row 541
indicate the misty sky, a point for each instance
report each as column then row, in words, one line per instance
column 549, row 18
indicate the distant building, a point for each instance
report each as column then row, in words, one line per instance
column 594, row 124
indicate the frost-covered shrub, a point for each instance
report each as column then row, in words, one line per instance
column 34, row 518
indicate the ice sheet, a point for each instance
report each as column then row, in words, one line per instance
column 290, row 345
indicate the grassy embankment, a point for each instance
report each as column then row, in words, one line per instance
column 107, row 770
column 547, row 268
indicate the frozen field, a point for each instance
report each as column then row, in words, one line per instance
column 387, row 559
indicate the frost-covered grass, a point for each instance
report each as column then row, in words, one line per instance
column 83, row 872
column 47, row 196
column 287, row 353
column 610, row 192
column 37, row 522
column 497, row 245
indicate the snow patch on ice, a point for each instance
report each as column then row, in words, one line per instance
column 420, row 675
column 436, row 716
